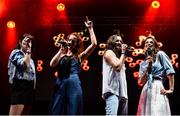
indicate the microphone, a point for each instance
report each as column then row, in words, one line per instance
column 130, row 48
column 64, row 43
column 149, row 53
column 28, row 40
column 150, row 68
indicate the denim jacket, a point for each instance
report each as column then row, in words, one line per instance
column 18, row 69
column 160, row 68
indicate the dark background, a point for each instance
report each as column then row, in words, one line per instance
column 41, row 19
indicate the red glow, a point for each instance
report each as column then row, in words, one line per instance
column 132, row 65
column 39, row 65
column 177, row 65
column 85, row 38
column 100, row 53
column 169, row 8
column 138, row 43
column 11, row 39
column 134, row 54
column 64, row 18
column 102, row 45
column 173, row 62
column 155, row 4
column 174, row 56
column 139, row 61
column 129, row 59
column 50, row 15
column 136, row 75
column 11, row 24
column 3, row 7
column 85, row 66
column 150, row 15
column 46, row 18
column 60, row 6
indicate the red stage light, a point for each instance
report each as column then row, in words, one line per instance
column 39, row 65
column 155, row 4
column 136, row 75
column 11, row 24
column 60, row 6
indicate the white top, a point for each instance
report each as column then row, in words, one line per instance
column 114, row 81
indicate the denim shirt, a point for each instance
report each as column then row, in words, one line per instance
column 18, row 69
column 160, row 68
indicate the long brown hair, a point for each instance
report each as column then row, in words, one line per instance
column 156, row 45
column 111, row 45
column 79, row 47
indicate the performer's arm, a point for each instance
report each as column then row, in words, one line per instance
column 92, row 46
column 144, row 74
column 114, row 61
column 171, row 85
column 54, row 61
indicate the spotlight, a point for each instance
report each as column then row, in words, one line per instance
column 60, row 6
column 155, row 4
column 11, row 24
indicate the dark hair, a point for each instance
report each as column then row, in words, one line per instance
column 111, row 45
column 22, row 37
column 79, row 47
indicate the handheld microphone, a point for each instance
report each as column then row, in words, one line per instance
column 28, row 40
column 130, row 48
column 63, row 43
column 149, row 53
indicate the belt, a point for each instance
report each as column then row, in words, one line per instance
column 107, row 94
column 157, row 78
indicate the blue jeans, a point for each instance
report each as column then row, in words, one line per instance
column 115, row 105
column 123, row 106
column 67, row 98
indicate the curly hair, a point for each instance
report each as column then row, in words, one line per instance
column 79, row 47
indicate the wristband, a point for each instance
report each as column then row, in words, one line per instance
column 123, row 53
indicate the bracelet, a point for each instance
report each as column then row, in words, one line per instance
column 123, row 53
column 171, row 90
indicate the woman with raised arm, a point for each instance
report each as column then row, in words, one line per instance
column 67, row 97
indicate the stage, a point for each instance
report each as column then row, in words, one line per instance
column 44, row 21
